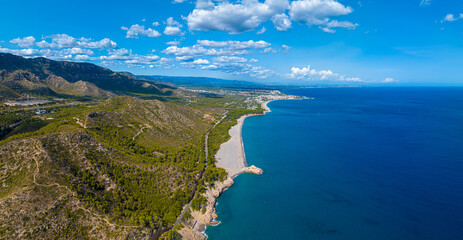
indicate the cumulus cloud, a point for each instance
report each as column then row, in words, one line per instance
column 237, row 66
column 197, row 50
column 63, row 54
column 233, row 18
column 319, row 13
column 248, row 15
column 21, row 52
column 201, row 61
column 216, row 48
column 234, row 44
column 174, row 43
column 310, row 74
column 135, row 30
column 451, row 18
column 59, row 41
column 82, row 57
column 227, row 59
column 173, row 31
column 171, row 22
column 210, row 67
column 65, row 47
column 25, row 42
column 281, row 22
column 204, row 4
column 205, row 54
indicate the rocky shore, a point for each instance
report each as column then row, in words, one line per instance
column 231, row 157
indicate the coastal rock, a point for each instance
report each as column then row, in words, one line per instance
column 207, row 217
column 188, row 233
column 220, row 187
column 253, row 169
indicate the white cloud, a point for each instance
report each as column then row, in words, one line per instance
column 118, row 54
column 234, row 44
column 261, row 31
column 227, row 59
column 59, row 41
column 351, row 79
column 173, row 31
column 319, row 13
column 201, row 61
column 103, row 43
column 171, row 22
column 156, row 24
column 204, row 4
column 247, row 15
column 281, row 22
column 63, row 54
column 235, row 18
column 21, row 52
column 216, row 48
column 178, row 1
column 285, row 48
column 210, row 67
column 77, row 50
column 174, row 43
column 25, row 42
column 268, row 50
column 82, row 57
column 389, row 80
column 451, row 18
column 184, row 58
column 197, row 50
column 136, row 30
column 425, row 2
column 310, row 74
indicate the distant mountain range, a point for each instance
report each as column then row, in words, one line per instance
column 204, row 82
column 44, row 77
column 41, row 76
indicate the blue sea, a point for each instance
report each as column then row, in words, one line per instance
column 351, row 164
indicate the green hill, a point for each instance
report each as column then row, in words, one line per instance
column 41, row 76
column 125, row 162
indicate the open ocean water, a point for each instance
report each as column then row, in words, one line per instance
column 351, row 164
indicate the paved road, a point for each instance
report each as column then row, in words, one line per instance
column 201, row 175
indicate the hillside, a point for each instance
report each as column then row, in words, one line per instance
column 112, row 165
column 45, row 77
column 124, row 167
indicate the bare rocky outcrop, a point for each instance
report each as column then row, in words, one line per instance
column 253, row 169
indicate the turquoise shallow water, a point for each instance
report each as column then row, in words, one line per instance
column 354, row 163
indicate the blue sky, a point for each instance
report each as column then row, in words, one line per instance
column 413, row 42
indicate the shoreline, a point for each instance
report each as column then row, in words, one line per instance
column 245, row 168
column 233, row 159
column 233, row 150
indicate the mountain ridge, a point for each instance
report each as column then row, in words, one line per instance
column 42, row 76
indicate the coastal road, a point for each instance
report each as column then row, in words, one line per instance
column 201, row 175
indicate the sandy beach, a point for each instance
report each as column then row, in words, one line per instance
column 232, row 158
column 231, row 153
